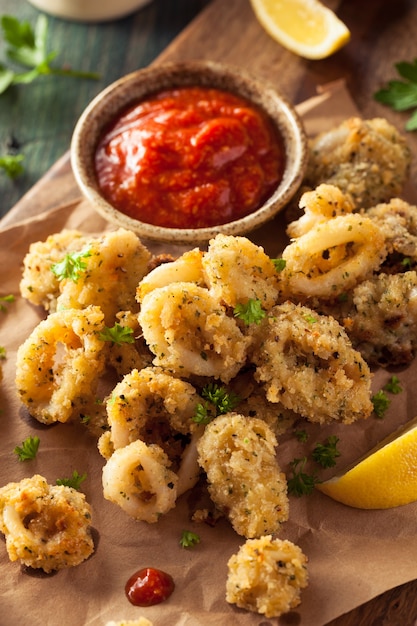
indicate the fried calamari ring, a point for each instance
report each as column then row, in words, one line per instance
column 322, row 204
column 238, row 270
column 148, row 400
column 138, row 479
column 238, row 455
column 46, row 527
column 266, row 576
column 333, row 256
column 306, row 361
column 189, row 332
column 186, row 269
column 39, row 285
column 58, row 366
column 114, row 265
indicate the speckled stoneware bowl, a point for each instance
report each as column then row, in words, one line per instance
column 136, row 86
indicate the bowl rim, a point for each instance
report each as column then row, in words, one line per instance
column 134, row 86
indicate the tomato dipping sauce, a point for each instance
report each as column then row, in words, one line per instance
column 190, row 157
column 149, row 586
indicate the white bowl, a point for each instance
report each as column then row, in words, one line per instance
column 135, row 87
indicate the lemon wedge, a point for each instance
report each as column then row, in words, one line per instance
column 305, row 27
column 385, row 478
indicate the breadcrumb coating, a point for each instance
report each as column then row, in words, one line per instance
column 369, row 159
column 46, row 527
column 266, row 576
column 306, row 361
column 238, row 455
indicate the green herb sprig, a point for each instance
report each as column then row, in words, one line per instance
column 218, row 402
column 73, row 481
column 6, row 300
column 300, row 483
column 251, row 312
column 71, row 266
column 325, row 454
column 189, row 539
column 28, row 450
column 11, row 164
column 117, row 334
column 401, row 95
column 27, row 47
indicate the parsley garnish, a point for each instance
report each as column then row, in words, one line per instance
column 401, row 95
column 300, row 483
column 117, row 334
column 219, row 401
column 279, row 264
column 301, row 435
column 27, row 46
column 251, row 312
column 72, row 265
column 8, row 299
column 189, row 539
column 2, row 352
column 381, row 403
column 326, row 454
column 393, row 385
column 12, row 164
column 28, row 450
column 74, row 481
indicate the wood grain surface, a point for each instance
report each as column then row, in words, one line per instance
column 383, row 32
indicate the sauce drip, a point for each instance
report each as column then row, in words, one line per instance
column 190, row 157
column 149, row 586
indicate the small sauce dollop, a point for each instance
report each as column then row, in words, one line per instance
column 149, row 586
column 190, row 157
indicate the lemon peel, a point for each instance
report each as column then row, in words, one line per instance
column 384, row 478
column 306, row 27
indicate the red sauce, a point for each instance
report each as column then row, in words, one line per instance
column 149, row 586
column 189, row 158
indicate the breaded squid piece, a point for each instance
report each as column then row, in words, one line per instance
column 238, row 270
column 332, row 257
column 244, row 479
column 306, row 361
column 383, row 322
column 39, row 285
column 46, row 527
column 58, row 366
column 369, row 159
column 187, row 268
column 115, row 264
column 266, row 576
column 397, row 220
column 319, row 205
column 148, row 402
column 189, row 332
column 138, row 479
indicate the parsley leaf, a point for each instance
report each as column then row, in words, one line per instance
column 71, row 266
column 402, row 95
column 326, row 454
column 279, row 264
column 28, row 450
column 117, row 334
column 12, row 164
column 218, row 402
column 301, row 435
column 189, row 539
column 2, row 352
column 381, row 403
column 251, row 312
column 7, row 299
column 27, row 46
column 74, row 481
column 300, row 483
column 393, row 385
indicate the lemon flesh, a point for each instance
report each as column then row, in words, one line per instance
column 385, row 478
column 305, row 27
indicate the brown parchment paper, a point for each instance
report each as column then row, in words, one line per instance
column 354, row 555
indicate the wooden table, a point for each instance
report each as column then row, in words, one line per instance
column 383, row 33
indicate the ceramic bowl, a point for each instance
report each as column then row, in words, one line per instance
column 135, row 87
column 89, row 10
